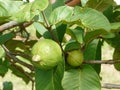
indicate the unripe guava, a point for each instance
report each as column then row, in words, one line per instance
column 116, row 56
column 75, row 58
column 46, row 54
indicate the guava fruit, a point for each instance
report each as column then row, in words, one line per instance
column 75, row 57
column 46, row 54
column 116, row 56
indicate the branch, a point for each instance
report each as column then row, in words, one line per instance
column 12, row 24
column 9, row 54
column 101, row 62
column 111, row 86
column 72, row 2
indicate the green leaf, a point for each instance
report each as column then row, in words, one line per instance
column 114, row 42
column 100, row 5
column 3, row 67
column 60, row 14
column 6, row 37
column 93, row 52
column 72, row 45
column 7, row 86
column 29, row 10
column 40, row 28
column 78, row 34
column 11, row 6
column 49, row 79
column 93, row 34
column 89, row 19
column 61, row 29
column 58, row 3
column 115, row 25
column 81, row 79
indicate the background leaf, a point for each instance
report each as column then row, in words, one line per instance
column 81, row 79
column 7, row 86
column 100, row 5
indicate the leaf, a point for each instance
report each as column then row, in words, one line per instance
column 3, row 67
column 58, row 3
column 49, row 79
column 6, row 37
column 115, row 25
column 90, row 19
column 93, row 34
column 11, row 6
column 78, row 34
column 60, row 14
column 61, row 29
column 7, row 85
column 40, row 28
column 94, row 48
column 114, row 42
column 81, row 79
column 29, row 10
column 100, row 5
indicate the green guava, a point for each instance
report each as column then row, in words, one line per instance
column 75, row 57
column 46, row 54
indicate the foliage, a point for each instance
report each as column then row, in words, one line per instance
column 84, row 27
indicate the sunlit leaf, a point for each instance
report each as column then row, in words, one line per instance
column 90, row 19
column 60, row 13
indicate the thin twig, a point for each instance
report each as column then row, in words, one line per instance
column 12, row 24
column 16, row 60
column 101, row 61
column 45, row 19
column 110, row 86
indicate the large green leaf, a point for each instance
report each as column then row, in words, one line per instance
column 93, row 52
column 11, row 6
column 90, row 19
column 29, row 10
column 60, row 13
column 100, row 5
column 49, row 79
column 81, row 79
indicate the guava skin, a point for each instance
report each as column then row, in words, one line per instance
column 75, row 58
column 46, row 54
